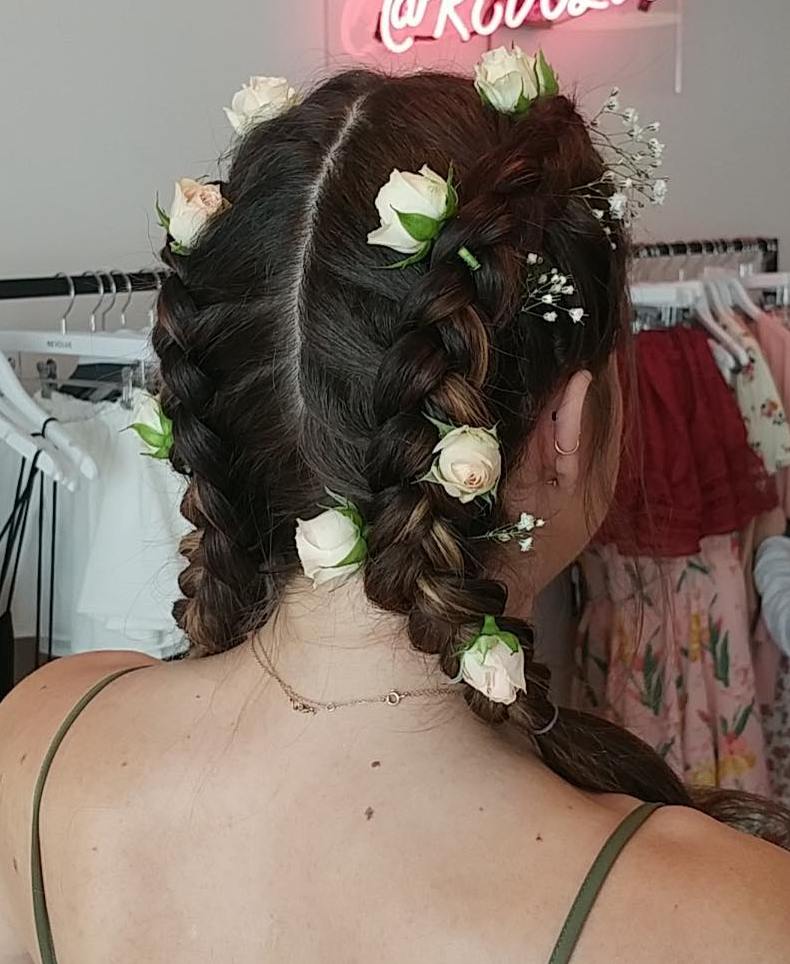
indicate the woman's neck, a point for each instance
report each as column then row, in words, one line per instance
column 332, row 644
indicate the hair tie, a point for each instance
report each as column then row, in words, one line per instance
column 550, row 727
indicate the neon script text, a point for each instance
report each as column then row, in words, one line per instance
column 483, row 16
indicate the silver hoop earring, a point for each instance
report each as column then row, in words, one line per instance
column 561, row 451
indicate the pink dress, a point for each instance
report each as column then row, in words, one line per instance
column 664, row 650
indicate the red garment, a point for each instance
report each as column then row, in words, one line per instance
column 687, row 469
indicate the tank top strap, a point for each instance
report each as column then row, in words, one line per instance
column 43, row 928
column 594, row 881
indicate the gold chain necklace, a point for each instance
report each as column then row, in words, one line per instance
column 303, row 704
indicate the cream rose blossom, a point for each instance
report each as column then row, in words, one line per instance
column 193, row 206
column 469, row 463
column 425, row 194
column 494, row 664
column 510, row 81
column 153, row 426
column 260, row 100
column 331, row 546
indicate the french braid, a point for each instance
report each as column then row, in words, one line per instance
column 222, row 581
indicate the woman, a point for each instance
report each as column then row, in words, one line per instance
column 314, row 787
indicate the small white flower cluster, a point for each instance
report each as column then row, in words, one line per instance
column 637, row 154
column 520, row 530
column 546, row 291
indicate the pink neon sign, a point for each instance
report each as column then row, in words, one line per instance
column 482, row 17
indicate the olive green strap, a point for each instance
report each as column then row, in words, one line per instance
column 46, row 946
column 594, row 881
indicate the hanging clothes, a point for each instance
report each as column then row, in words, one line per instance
column 664, row 650
column 116, row 555
column 665, row 643
column 773, row 336
column 687, row 471
column 760, row 401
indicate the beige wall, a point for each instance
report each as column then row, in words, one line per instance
column 103, row 104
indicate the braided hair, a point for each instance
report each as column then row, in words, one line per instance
column 292, row 363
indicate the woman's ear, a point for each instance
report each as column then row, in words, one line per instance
column 566, row 419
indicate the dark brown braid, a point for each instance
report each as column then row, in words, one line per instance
column 222, row 580
column 292, row 362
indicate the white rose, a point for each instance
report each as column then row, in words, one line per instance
column 146, row 411
column 469, row 463
column 330, row 546
column 503, row 77
column 494, row 668
column 153, row 426
column 260, row 100
column 510, row 81
column 193, row 205
column 425, row 193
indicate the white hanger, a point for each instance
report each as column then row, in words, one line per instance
column 32, row 417
column 731, row 291
column 690, row 295
column 709, row 323
column 51, row 461
column 776, row 282
column 29, row 448
column 129, row 346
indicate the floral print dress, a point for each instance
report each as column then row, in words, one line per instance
column 760, row 402
column 663, row 649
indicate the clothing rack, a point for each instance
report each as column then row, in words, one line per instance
column 57, row 286
column 769, row 247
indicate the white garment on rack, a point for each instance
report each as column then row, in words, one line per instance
column 116, row 549
column 130, row 581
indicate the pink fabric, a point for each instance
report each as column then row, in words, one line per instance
column 774, row 339
column 664, row 650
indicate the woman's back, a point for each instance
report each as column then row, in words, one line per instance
column 191, row 816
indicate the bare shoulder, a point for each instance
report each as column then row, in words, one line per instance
column 29, row 719
column 32, row 712
column 690, row 888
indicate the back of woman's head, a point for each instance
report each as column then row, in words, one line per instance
column 293, row 362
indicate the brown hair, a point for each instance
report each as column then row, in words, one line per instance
column 291, row 363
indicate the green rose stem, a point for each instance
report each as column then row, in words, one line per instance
column 466, row 255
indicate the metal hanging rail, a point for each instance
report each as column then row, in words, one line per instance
column 768, row 246
column 57, row 286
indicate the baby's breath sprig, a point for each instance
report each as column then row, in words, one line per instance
column 521, row 530
column 546, row 291
column 636, row 154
